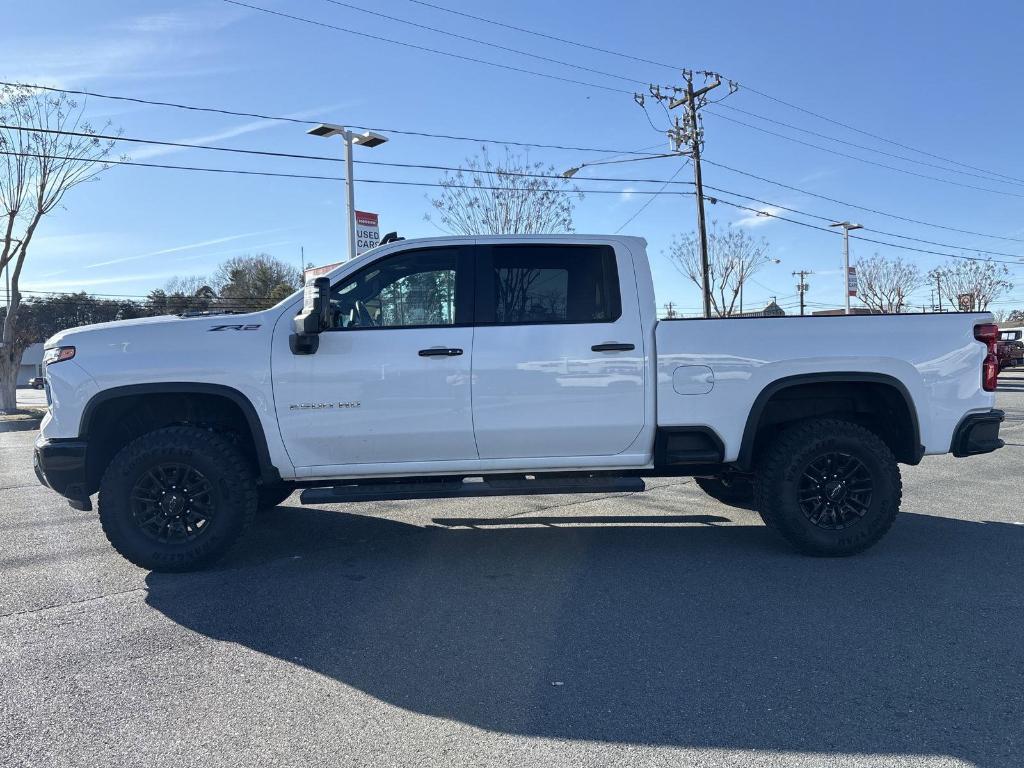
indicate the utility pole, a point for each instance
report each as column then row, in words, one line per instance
column 689, row 131
column 802, row 286
column 938, row 287
column 670, row 311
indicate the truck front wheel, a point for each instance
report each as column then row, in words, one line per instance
column 830, row 487
column 175, row 499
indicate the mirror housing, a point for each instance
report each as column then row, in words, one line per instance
column 314, row 317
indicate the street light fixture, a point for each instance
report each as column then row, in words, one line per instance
column 577, row 168
column 847, row 226
column 368, row 139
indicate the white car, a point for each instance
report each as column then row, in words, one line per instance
column 502, row 365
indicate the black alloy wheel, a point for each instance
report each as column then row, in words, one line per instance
column 173, row 503
column 835, row 491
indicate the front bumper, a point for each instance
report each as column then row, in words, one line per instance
column 978, row 433
column 60, row 465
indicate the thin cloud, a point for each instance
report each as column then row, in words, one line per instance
column 763, row 216
column 60, row 286
column 179, row 248
column 148, row 47
column 228, row 133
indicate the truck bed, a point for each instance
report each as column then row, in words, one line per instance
column 711, row 372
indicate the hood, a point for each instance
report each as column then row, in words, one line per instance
column 157, row 323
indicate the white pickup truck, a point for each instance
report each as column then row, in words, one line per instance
column 479, row 366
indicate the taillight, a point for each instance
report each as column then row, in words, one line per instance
column 989, row 334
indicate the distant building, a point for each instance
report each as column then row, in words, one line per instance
column 310, row 272
column 772, row 310
column 853, row 311
column 31, row 364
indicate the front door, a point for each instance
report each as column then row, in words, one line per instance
column 558, row 358
column 390, row 382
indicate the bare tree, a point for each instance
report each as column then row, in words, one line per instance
column 502, row 198
column 733, row 256
column 979, row 281
column 255, row 282
column 189, row 285
column 884, row 284
column 38, row 166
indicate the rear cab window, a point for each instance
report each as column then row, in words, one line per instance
column 528, row 284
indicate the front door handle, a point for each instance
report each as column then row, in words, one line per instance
column 440, row 352
column 612, row 346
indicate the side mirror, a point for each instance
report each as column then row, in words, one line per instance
column 313, row 319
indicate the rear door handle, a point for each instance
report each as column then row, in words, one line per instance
column 440, row 352
column 612, row 347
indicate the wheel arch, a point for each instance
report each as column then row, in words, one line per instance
column 906, row 447
column 89, row 428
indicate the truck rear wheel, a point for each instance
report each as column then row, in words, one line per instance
column 830, row 487
column 176, row 499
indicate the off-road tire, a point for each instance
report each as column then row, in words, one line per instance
column 270, row 496
column 734, row 492
column 782, row 468
column 232, row 497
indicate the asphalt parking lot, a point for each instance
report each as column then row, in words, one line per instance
column 659, row 628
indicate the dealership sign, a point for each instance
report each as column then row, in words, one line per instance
column 367, row 231
column 851, row 281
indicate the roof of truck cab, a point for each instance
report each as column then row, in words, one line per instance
column 541, row 238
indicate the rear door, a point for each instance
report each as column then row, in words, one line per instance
column 558, row 352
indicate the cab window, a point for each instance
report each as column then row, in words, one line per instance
column 409, row 289
column 532, row 284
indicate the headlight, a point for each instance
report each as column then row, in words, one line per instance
column 58, row 355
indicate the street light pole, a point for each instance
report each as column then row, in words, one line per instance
column 350, row 196
column 367, row 139
column 847, row 226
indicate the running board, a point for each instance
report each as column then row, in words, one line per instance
column 469, row 487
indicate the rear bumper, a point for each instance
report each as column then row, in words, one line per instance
column 60, row 465
column 978, row 433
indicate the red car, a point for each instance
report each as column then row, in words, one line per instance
column 1010, row 348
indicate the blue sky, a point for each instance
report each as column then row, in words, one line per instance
column 929, row 75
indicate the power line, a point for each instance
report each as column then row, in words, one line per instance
column 414, row 46
column 480, row 140
column 875, row 136
column 997, row 177
column 664, row 183
column 867, row 229
column 485, row 42
column 259, row 116
column 239, row 171
column 859, row 238
column 292, row 155
column 678, row 67
column 862, row 207
column 650, row 200
column 545, row 36
column 865, row 160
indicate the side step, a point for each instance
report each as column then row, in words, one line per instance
column 469, row 487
